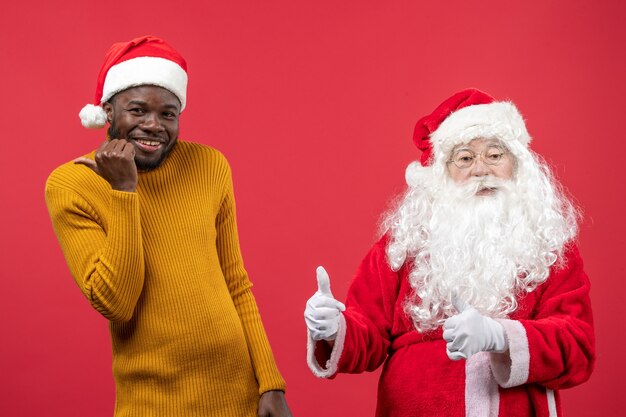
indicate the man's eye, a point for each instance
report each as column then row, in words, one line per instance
column 136, row 110
column 169, row 115
column 465, row 158
column 495, row 156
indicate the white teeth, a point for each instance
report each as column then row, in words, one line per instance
column 149, row 142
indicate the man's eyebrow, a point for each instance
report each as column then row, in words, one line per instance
column 143, row 103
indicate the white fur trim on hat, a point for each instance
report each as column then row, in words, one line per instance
column 93, row 117
column 146, row 70
column 499, row 120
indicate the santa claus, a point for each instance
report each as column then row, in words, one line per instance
column 474, row 298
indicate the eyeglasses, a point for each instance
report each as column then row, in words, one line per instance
column 465, row 158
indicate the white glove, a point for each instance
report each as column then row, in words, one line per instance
column 322, row 310
column 470, row 332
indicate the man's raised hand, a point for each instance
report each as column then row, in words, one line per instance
column 322, row 310
column 115, row 162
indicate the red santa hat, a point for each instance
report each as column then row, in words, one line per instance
column 146, row 60
column 466, row 115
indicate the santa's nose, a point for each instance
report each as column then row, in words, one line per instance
column 479, row 168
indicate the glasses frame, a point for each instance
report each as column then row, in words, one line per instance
column 504, row 152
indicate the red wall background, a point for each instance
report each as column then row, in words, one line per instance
column 314, row 104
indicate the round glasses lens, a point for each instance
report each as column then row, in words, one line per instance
column 463, row 159
column 493, row 155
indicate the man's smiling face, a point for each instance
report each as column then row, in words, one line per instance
column 146, row 116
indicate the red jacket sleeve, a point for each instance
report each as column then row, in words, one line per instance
column 555, row 344
column 561, row 337
column 369, row 312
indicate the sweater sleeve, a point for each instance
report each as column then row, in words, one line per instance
column 101, row 247
column 239, row 285
column 556, row 347
column 364, row 330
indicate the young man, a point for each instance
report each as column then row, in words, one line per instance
column 147, row 226
column 475, row 298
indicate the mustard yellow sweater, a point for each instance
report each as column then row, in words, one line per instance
column 163, row 265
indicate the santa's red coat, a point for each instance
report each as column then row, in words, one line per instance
column 550, row 335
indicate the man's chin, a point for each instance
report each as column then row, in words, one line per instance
column 151, row 161
column 148, row 164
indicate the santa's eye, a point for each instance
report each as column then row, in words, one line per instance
column 463, row 157
column 494, row 156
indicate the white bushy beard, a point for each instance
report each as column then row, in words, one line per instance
column 485, row 250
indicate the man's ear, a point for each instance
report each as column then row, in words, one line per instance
column 108, row 109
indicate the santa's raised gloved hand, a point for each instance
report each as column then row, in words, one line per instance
column 322, row 310
column 469, row 332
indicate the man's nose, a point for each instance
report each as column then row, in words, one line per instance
column 152, row 123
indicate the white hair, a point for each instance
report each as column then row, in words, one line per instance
column 484, row 250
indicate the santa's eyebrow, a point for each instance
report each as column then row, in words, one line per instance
column 496, row 142
column 488, row 143
column 462, row 148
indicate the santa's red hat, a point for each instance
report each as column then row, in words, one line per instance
column 466, row 115
column 146, row 60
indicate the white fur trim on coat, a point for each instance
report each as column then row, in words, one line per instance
column 510, row 369
column 482, row 398
column 330, row 367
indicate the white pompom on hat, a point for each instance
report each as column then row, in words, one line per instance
column 146, row 60
column 92, row 117
column 466, row 115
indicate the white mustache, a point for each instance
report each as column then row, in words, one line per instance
column 474, row 185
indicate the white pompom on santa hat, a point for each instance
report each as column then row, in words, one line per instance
column 466, row 115
column 146, row 60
